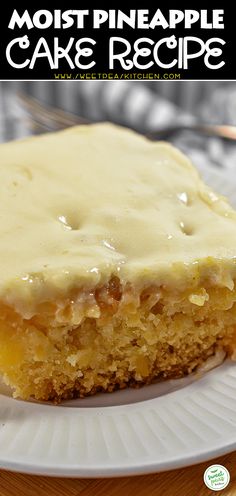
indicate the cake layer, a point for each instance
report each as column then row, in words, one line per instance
column 117, row 263
column 118, row 338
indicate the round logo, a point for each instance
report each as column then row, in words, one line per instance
column 216, row 477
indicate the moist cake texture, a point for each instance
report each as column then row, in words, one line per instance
column 117, row 263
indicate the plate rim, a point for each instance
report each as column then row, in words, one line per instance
column 122, row 471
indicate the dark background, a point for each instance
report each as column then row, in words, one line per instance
column 197, row 69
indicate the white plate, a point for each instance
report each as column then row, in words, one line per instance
column 159, row 427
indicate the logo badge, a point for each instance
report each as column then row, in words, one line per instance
column 216, row 477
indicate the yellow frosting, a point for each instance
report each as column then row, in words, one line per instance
column 80, row 205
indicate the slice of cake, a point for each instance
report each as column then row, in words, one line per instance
column 117, row 263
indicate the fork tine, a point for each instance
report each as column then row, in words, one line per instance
column 46, row 117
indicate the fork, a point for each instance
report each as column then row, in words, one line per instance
column 45, row 118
